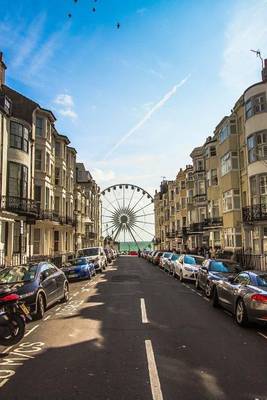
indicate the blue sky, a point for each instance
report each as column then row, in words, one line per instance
column 115, row 92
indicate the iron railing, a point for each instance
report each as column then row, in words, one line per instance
column 211, row 222
column 19, row 205
column 255, row 212
column 52, row 215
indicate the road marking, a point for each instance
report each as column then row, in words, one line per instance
column 205, row 298
column 153, row 372
column 31, row 330
column 7, row 349
column 4, row 381
column 75, row 294
column 262, row 334
column 199, row 294
column 143, row 311
column 227, row 312
column 46, row 318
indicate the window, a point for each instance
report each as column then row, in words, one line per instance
column 201, row 188
column 183, row 202
column 231, row 200
column 57, row 149
column 255, row 105
column 183, row 185
column 19, row 137
column 56, row 240
column 224, row 133
column 213, row 177
column 39, row 126
column 38, row 195
column 36, row 241
column 47, row 164
column 57, row 176
column 258, row 189
column 47, row 195
column 212, row 151
column 17, row 180
column 257, row 146
column 228, row 162
column 57, row 204
column 38, row 159
column 200, row 165
column 232, row 237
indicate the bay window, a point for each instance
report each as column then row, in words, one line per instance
column 17, row 180
column 255, row 105
column 258, row 189
column 229, row 162
column 257, row 146
column 19, row 136
column 231, row 200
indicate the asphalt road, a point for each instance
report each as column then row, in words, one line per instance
column 135, row 333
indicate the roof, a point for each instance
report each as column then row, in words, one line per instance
column 22, row 106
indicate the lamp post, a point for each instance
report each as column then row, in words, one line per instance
column 75, row 214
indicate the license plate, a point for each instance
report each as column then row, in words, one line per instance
column 73, row 275
column 24, row 309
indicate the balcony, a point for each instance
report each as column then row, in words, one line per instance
column 182, row 232
column 196, row 227
column 171, row 235
column 213, row 222
column 21, row 206
column 199, row 198
column 52, row 215
column 90, row 235
column 256, row 212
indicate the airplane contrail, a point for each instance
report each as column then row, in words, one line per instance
column 156, row 107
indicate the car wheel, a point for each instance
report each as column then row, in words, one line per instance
column 66, row 293
column 241, row 315
column 208, row 290
column 215, row 299
column 181, row 277
column 197, row 284
column 40, row 306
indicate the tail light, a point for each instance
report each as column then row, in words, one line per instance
column 261, row 298
column 10, row 297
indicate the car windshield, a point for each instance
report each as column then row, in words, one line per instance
column 174, row 257
column 91, row 252
column 167, row 255
column 79, row 261
column 192, row 260
column 220, row 266
column 262, row 280
column 18, row 274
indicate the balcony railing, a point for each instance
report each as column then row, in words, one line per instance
column 211, row 222
column 90, row 235
column 52, row 215
column 200, row 198
column 18, row 205
column 255, row 212
column 196, row 227
column 171, row 235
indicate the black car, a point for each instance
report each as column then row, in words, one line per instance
column 39, row 285
column 213, row 270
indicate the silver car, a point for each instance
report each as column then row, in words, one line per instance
column 244, row 295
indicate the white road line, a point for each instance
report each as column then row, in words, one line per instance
column 199, row 294
column 3, row 382
column 7, row 349
column 153, row 372
column 75, row 294
column 143, row 311
column 46, row 318
column 265, row 337
column 205, row 298
column 31, row 330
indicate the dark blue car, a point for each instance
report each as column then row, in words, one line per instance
column 80, row 268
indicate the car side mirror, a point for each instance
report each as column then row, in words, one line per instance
column 43, row 276
column 204, row 269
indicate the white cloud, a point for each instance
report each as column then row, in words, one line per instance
column 102, row 176
column 65, row 100
column 246, row 30
column 147, row 116
column 68, row 113
column 67, row 105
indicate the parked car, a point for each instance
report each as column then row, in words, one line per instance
column 244, row 295
column 164, row 259
column 80, row 268
column 169, row 264
column 39, row 285
column 95, row 254
column 212, row 271
column 133, row 253
column 150, row 256
column 156, row 257
column 187, row 266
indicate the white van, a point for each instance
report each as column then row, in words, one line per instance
column 96, row 255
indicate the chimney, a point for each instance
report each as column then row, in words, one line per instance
column 2, row 69
column 264, row 71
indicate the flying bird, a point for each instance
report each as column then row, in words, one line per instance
column 69, row 15
column 118, row 25
column 94, row 9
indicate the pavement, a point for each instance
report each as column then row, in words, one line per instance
column 135, row 333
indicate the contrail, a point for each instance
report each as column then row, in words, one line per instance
column 147, row 116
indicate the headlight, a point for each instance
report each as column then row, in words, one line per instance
column 23, row 296
column 188, row 269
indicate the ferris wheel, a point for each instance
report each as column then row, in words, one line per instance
column 127, row 214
